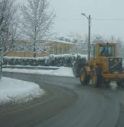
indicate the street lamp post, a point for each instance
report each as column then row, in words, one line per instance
column 1, row 61
column 89, row 32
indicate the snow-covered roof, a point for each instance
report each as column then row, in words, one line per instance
column 58, row 41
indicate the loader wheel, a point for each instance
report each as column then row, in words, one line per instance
column 120, row 83
column 84, row 79
column 106, row 83
column 94, row 81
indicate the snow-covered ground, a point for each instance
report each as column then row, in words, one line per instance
column 61, row 71
column 17, row 91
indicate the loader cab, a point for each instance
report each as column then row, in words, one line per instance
column 105, row 50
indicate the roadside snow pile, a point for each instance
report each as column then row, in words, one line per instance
column 61, row 71
column 17, row 91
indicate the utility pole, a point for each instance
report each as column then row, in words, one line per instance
column 1, row 61
column 89, row 32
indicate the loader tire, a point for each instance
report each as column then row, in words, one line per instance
column 106, row 83
column 84, row 78
column 120, row 83
column 94, row 81
column 97, row 81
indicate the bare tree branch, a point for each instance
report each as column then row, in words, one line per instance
column 36, row 20
column 7, row 23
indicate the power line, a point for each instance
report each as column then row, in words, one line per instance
column 95, row 19
column 109, row 19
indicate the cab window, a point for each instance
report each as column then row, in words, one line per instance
column 106, row 50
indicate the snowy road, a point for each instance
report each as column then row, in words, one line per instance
column 69, row 106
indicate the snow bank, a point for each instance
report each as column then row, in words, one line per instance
column 17, row 91
column 61, row 71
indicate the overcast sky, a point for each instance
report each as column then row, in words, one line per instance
column 107, row 17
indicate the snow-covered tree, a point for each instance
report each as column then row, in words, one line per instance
column 7, row 13
column 36, row 20
column 120, row 47
column 76, row 37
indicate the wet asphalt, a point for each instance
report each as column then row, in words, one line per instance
column 65, row 104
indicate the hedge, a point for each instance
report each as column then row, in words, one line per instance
column 52, row 60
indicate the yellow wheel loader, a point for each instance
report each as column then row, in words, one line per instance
column 105, row 66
